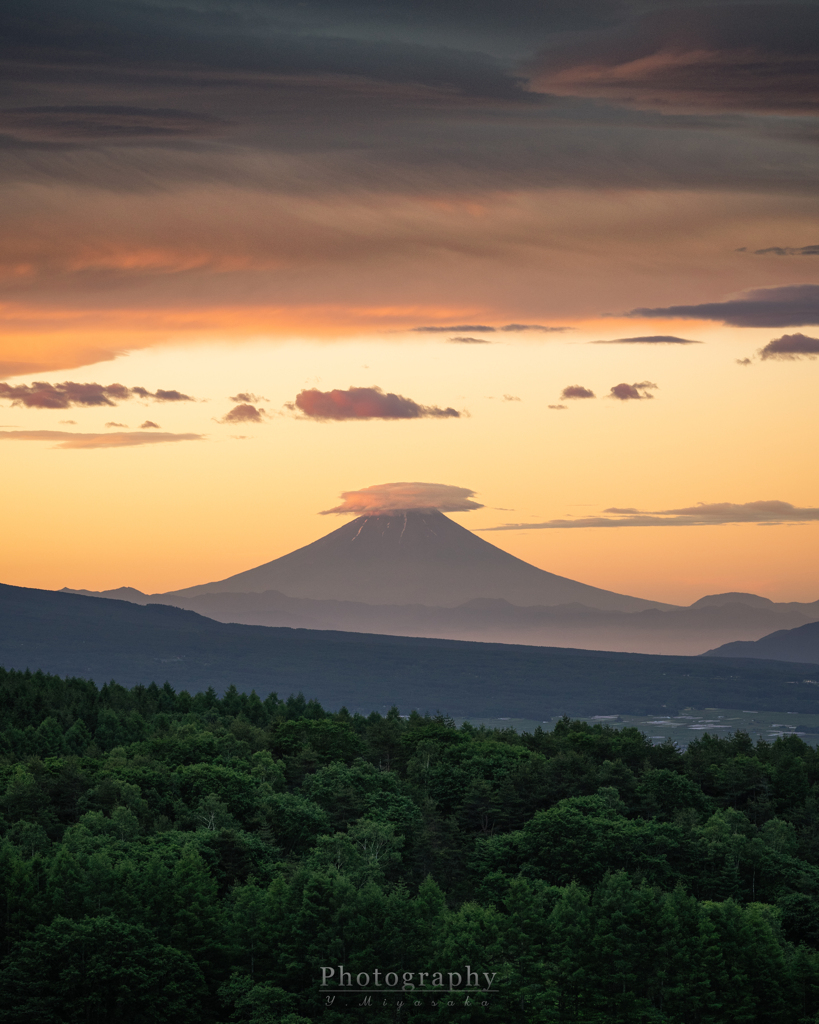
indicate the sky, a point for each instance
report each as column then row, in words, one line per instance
column 562, row 255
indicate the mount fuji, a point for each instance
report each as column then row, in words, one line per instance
column 419, row 573
column 412, row 557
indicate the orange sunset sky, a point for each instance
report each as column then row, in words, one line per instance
column 214, row 220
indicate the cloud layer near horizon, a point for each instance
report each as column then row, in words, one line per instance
column 652, row 339
column 703, row 514
column 385, row 499
column 69, row 439
column 365, row 404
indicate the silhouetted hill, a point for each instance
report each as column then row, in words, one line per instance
column 102, row 639
column 800, row 644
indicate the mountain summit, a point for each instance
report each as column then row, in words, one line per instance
column 418, row 556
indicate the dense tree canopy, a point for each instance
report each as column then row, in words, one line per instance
column 196, row 858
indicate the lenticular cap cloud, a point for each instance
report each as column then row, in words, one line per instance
column 387, row 499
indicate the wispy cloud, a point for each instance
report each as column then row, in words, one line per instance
column 41, row 395
column 247, row 396
column 67, row 439
column 703, row 514
column 534, row 327
column 365, row 404
column 461, row 340
column 708, row 57
column 481, row 328
column 487, row 329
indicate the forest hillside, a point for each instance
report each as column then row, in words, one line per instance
column 177, row 858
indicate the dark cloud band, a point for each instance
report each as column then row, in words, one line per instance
column 41, row 395
column 651, row 339
column 788, row 306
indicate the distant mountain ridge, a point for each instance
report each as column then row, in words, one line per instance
column 102, row 639
column 800, row 645
column 683, row 631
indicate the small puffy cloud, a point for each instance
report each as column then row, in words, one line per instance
column 42, row 395
column 785, row 250
column 387, row 499
column 169, row 396
column 244, row 413
column 111, row 424
column 768, row 513
column 558, row 407
column 246, row 396
column 511, row 398
column 481, row 328
column 787, row 306
column 650, row 339
column 743, row 362
column 149, row 425
column 365, row 404
column 576, row 391
column 631, row 392
column 791, row 346
column 461, row 340
column 67, row 439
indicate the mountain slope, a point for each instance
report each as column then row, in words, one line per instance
column 800, row 644
column 416, row 557
column 101, row 639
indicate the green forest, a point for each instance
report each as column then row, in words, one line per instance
column 169, row 857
